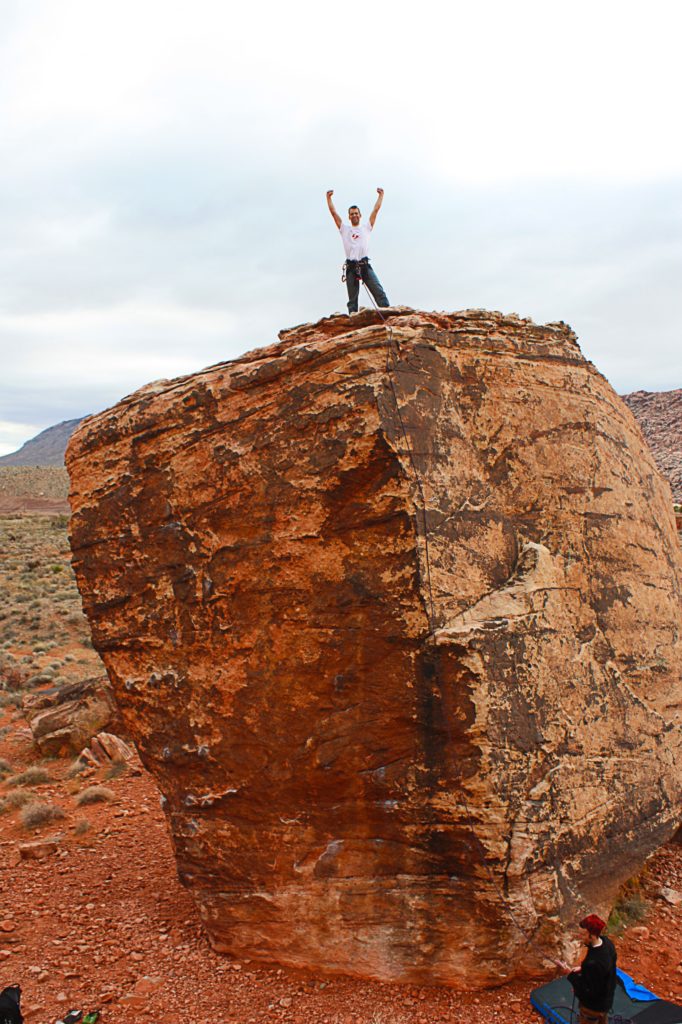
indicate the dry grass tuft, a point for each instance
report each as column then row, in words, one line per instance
column 94, row 795
column 36, row 814
column 75, row 769
column 31, row 777
column 17, row 798
column 10, row 698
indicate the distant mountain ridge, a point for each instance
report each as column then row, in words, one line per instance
column 45, row 449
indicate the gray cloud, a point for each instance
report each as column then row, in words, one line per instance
column 137, row 249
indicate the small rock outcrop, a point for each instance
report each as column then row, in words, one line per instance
column 63, row 719
column 392, row 612
column 106, row 749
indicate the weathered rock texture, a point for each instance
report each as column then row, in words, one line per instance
column 65, row 718
column 659, row 414
column 391, row 747
column 106, row 749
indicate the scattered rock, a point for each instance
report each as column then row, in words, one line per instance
column 671, row 896
column 64, row 718
column 7, row 925
column 145, row 986
column 39, row 849
column 133, row 1001
column 106, row 748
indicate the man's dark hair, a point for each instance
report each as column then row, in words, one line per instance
column 354, row 207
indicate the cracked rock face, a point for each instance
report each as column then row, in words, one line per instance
column 401, row 650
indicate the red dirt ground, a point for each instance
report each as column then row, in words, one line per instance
column 85, row 927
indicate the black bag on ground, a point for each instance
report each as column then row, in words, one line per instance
column 10, row 1000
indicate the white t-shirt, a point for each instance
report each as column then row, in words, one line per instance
column 356, row 240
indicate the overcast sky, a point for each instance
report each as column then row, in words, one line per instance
column 163, row 168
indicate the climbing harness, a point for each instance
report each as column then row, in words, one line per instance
column 355, row 267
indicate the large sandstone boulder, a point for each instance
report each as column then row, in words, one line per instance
column 401, row 649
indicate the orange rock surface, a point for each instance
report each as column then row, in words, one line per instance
column 392, row 612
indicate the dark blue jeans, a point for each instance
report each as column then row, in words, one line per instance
column 363, row 269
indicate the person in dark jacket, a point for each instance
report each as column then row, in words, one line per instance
column 594, row 981
column 10, row 999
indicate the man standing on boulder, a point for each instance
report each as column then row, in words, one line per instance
column 594, row 981
column 355, row 238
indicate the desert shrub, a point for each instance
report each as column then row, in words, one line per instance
column 94, row 795
column 36, row 814
column 116, row 770
column 12, row 677
column 5, row 767
column 59, row 522
column 9, row 698
column 17, row 798
column 82, row 827
column 629, row 909
column 56, row 568
column 39, row 679
column 630, row 906
column 75, row 769
column 31, row 777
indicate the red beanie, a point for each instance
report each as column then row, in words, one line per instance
column 593, row 924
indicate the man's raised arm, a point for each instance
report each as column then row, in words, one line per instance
column 330, row 204
column 377, row 206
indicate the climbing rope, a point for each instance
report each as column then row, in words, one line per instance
column 392, row 365
column 391, row 357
